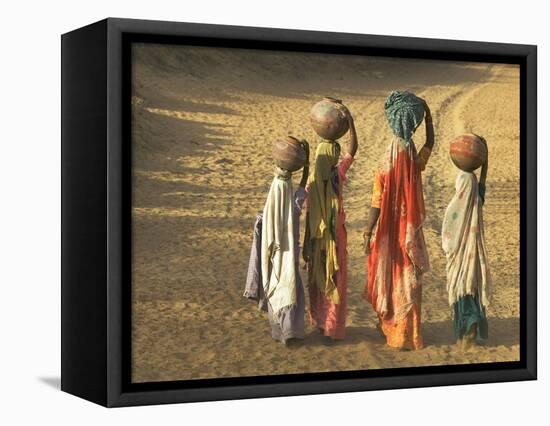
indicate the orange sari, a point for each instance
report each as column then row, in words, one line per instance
column 398, row 255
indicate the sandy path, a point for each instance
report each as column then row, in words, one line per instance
column 204, row 123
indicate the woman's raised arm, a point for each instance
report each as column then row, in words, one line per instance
column 305, row 171
column 353, row 144
column 430, row 137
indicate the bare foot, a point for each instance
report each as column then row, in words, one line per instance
column 379, row 328
column 472, row 334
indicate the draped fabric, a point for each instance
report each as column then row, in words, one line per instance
column 288, row 322
column 254, row 289
column 328, row 316
column 277, row 244
column 320, row 237
column 398, row 252
column 398, row 255
column 467, row 312
column 463, row 240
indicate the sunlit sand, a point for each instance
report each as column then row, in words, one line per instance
column 204, row 121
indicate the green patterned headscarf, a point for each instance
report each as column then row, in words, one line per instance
column 404, row 112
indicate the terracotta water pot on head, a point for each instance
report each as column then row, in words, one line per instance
column 328, row 119
column 468, row 152
column 289, row 154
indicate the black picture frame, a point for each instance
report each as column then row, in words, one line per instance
column 96, row 203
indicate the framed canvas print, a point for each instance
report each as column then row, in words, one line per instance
column 253, row 212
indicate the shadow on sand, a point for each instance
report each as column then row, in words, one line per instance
column 502, row 332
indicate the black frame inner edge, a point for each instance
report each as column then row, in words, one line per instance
column 127, row 40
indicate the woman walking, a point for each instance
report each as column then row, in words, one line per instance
column 397, row 256
column 468, row 275
column 273, row 274
column 325, row 243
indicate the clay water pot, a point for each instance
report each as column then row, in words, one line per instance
column 468, row 152
column 289, row 154
column 328, row 120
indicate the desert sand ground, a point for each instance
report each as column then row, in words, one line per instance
column 204, row 121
